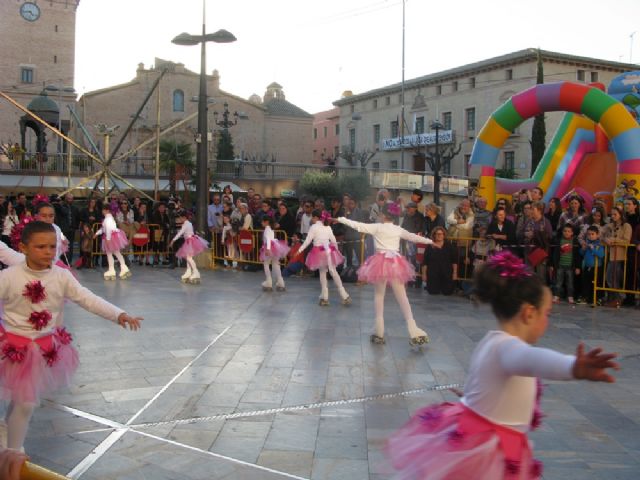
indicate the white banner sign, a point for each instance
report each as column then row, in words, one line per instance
column 444, row 136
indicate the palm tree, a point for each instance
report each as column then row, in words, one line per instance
column 177, row 159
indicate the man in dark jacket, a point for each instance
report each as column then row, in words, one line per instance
column 413, row 222
column 68, row 219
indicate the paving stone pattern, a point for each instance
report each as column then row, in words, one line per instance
column 280, row 350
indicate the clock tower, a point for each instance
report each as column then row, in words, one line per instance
column 38, row 51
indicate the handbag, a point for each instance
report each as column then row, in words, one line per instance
column 537, row 256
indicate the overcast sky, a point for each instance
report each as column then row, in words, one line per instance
column 317, row 50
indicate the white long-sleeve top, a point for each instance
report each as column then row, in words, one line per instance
column 108, row 227
column 59, row 284
column 267, row 237
column 62, row 243
column 386, row 236
column 185, row 231
column 320, row 235
column 9, row 256
column 501, row 385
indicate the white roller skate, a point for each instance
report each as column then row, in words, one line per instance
column 376, row 339
column 346, row 301
column 419, row 339
column 110, row 275
column 185, row 278
column 124, row 272
column 267, row 286
column 194, row 279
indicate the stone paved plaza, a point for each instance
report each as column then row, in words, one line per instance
column 225, row 347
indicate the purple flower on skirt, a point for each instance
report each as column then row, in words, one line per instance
column 512, row 467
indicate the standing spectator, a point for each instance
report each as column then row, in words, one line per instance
column 416, row 197
column 554, row 212
column 228, row 192
column 460, row 222
column 502, row 230
column 506, row 206
column 351, row 236
column 339, row 230
column 432, row 219
column 161, row 233
column 21, row 204
column 255, row 201
column 596, row 218
column 592, row 252
column 286, row 221
column 616, row 235
column 305, row 218
column 522, row 220
column 565, row 264
column 68, row 219
column 536, row 194
column 632, row 216
column 319, row 204
column 440, row 265
column 215, row 224
column 412, row 222
column 537, row 235
column 574, row 215
column 10, row 221
column 91, row 214
column 265, row 210
column 481, row 216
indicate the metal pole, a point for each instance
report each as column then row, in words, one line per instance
column 156, row 180
column 436, row 178
column 402, row 95
column 105, row 180
column 203, row 180
column 69, row 165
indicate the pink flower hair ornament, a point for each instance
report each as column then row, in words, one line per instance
column 509, row 265
column 39, row 198
column 326, row 216
column 392, row 209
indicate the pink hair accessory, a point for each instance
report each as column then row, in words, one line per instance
column 325, row 216
column 394, row 209
column 39, row 198
column 509, row 265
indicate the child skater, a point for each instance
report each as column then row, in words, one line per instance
column 271, row 252
column 388, row 266
column 113, row 241
column 484, row 436
column 324, row 256
column 193, row 245
column 37, row 354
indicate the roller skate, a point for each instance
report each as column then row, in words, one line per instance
column 419, row 340
column 267, row 286
column 185, row 278
column 323, row 302
column 346, row 301
column 376, row 339
column 194, row 279
column 281, row 288
column 124, row 273
column 110, row 275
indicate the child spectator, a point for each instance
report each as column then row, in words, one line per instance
column 565, row 261
column 482, row 248
column 229, row 242
column 86, row 246
column 295, row 257
column 592, row 255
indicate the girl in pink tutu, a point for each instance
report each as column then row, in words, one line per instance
column 37, row 354
column 388, row 266
column 193, row 245
column 484, row 436
column 324, row 256
column 271, row 252
column 113, row 241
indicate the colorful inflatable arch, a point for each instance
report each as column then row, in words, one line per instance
column 617, row 123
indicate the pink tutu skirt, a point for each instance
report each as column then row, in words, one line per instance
column 279, row 249
column 117, row 242
column 319, row 257
column 450, row 442
column 192, row 246
column 387, row 266
column 30, row 369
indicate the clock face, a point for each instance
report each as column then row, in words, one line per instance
column 30, row 11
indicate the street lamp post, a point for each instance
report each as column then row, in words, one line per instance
column 436, row 125
column 202, row 184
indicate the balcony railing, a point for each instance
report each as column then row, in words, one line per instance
column 134, row 166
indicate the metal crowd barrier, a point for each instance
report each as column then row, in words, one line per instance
column 150, row 248
column 31, row 471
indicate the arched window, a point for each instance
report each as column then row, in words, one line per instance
column 178, row 101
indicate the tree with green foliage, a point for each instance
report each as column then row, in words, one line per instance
column 539, row 130
column 176, row 158
column 225, row 146
column 319, row 185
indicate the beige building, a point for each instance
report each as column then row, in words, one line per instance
column 461, row 99
column 38, row 49
column 265, row 128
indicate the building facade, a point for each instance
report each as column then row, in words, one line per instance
column 38, row 53
column 461, row 100
column 326, row 136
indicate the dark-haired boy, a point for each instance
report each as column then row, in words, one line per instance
column 592, row 254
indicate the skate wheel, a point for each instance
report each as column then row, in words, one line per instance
column 195, row 281
column 267, row 289
column 281, row 289
column 418, row 341
column 377, row 340
column 323, row 302
column 346, row 301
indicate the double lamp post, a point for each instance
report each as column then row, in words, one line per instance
column 202, row 177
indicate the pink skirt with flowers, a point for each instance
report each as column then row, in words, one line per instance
column 386, row 266
column 320, row 256
column 30, row 368
column 279, row 249
column 116, row 243
column 192, row 246
column 450, row 441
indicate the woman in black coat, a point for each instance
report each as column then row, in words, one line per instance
column 440, row 265
column 502, row 230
